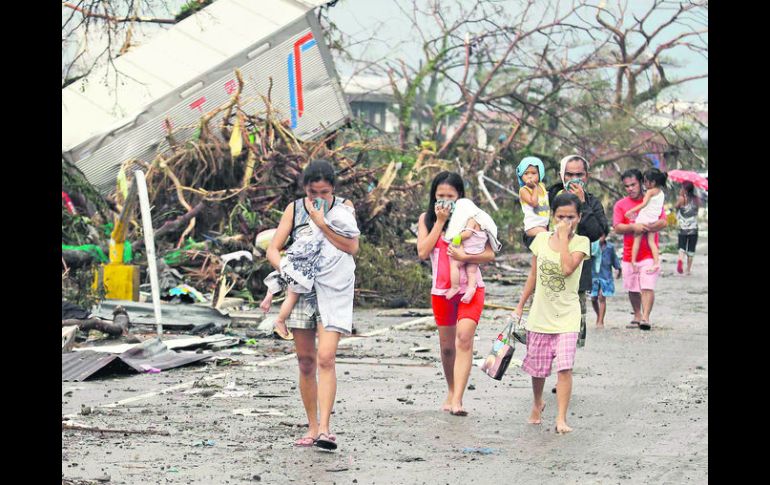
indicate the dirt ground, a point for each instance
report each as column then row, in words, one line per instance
column 639, row 409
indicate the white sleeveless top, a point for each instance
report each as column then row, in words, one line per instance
column 651, row 213
column 540, row 215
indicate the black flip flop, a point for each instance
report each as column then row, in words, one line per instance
column 324, row 442
column 461, row 412
column 644, row 325
column 633, row 324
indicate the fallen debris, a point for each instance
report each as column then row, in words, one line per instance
column 260, row 412
column 68, row 337
column 172, row 343
column 111, row 329
column 381, row 363
column 480, row 451
column 175, row 317
column 406, row 312
column 79, row 427
column 205, row 443
column 153, row 353
column 499, row 307
column 409, row 459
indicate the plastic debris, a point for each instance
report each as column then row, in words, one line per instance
column 481, row 451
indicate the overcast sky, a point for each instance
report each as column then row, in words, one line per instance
column 363, row 19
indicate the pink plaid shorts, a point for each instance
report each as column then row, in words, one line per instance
column 542, row 348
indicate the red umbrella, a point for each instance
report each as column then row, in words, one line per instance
column 689, row 176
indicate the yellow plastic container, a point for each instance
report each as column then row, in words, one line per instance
column 120, row 281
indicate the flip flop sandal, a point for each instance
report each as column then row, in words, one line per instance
column 461, row 412
column 633, row 324
column 326, row 441
column 305, row 442
column 644, row 325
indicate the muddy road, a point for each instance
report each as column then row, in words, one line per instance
column 639, row 409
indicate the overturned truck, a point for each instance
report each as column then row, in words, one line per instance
column 169, row 83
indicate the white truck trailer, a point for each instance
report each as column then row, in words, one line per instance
column 189, row 70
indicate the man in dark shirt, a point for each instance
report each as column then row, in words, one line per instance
column 593, row 221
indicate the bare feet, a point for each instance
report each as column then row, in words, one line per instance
column 468, row 294
column 600, row 324
column 457, row 409
column 280, row 327
column 534, row 416
column 452, row 292
column 265, row 305
column 562, row 428
column 652, row 269
column 447, row 406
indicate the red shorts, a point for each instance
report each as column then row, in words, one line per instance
column 448, row 312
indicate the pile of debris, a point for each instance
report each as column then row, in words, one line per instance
column 211, row 195
column 105, row 340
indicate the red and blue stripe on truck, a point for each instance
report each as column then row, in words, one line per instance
column 296, row 102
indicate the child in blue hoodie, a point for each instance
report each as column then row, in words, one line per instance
column 605, row 259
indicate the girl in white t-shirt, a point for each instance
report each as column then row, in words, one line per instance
column 649, row 212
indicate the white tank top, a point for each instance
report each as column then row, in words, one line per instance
column 537, row 216
column 651, row 213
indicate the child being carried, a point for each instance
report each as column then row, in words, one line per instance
column 312, row 261
column 534, row 197
column 649, row 212
column 471, row 227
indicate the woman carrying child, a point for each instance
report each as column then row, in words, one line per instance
column 554, row 319
column 456, row 320
column 317, row 393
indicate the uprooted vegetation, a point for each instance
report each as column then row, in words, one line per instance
column 210, row 197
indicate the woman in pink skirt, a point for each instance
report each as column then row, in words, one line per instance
column 554, row 319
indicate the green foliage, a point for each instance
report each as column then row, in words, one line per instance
column 381, row 270
column 244, row 219
column 74, row 228
column 442, row 110
column 191, row 7
column 510, row 224
column 76, row 287
column 671, row 248
column 73, row 181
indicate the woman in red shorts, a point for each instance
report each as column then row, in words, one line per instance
column 456, row 320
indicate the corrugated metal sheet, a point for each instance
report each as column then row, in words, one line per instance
column 154, row 353
column 188, row 71
column 79, row 366
column 172, row 343
column 176, row 317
